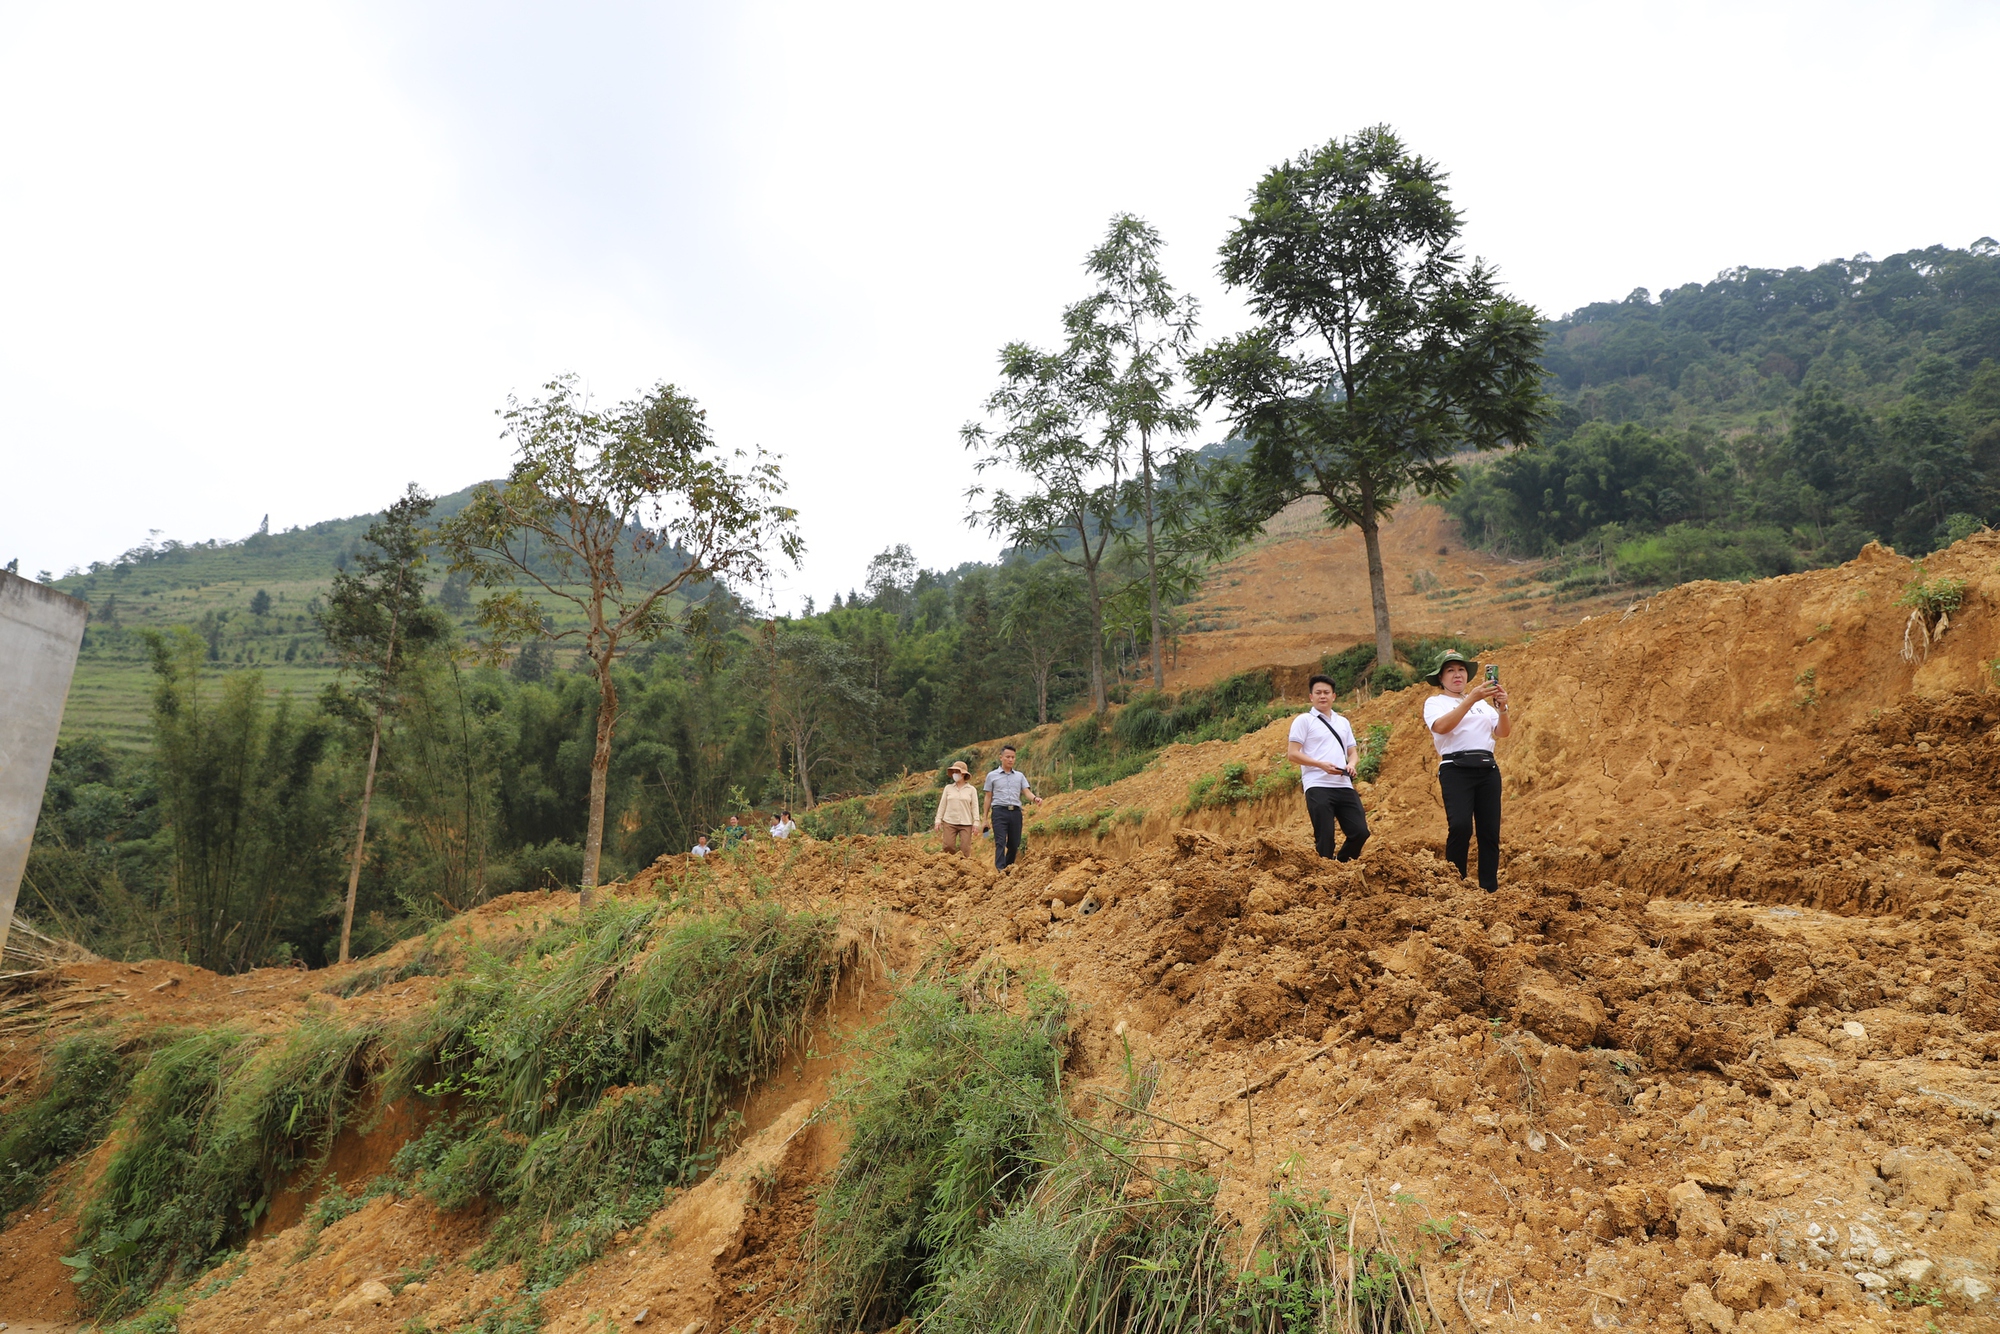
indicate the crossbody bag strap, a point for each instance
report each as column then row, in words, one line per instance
column 1336, row 739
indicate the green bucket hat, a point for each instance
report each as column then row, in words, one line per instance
column 1448, row 657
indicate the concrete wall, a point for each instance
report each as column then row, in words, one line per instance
column 40, row 632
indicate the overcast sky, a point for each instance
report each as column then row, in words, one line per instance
column 284, row 258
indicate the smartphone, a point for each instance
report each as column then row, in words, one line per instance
column 1493, row 671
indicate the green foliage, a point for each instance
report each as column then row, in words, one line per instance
column 1098, row 824
column 1355, row 664
column 1368, row 765
column 1932, row 598
column 1382, row 356
column 252, row 824
column 593, row 1069
column 1775, row 421
column 1233, row 785
column 950, row 1114
column 215, row 1122
column 82, row 1085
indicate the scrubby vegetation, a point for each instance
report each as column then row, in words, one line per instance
column 970, row 1199
column 81, row 1086
column 567, row 1078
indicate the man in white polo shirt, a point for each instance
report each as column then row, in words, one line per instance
column 1321, row 743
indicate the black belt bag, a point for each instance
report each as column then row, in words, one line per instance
column 1471, row 759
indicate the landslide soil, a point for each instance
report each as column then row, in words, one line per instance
column 1723, row 1052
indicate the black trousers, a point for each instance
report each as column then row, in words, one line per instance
column 1006, row 836
column 1472, row 799
column 1332, row 810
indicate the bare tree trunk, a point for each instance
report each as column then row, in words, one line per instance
column 1152, row 560
column 360, row 836
column 600, row 770
column 1042, row 691
column 1378, row 586
column 1100, row 700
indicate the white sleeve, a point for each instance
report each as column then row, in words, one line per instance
column 1436, row 707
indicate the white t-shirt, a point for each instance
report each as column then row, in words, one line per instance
column 698, row 850
column 783, row 829
column 1328, row 741
column 1474, row 730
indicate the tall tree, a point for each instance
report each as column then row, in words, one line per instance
column 374, row 621
column 1040, row 620
column 615, row 513
column 1142, row 328
column 1057, row 429
column 1381, row 355
column 820, row 704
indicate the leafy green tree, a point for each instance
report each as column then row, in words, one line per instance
column 1141, row 328
column 1040, row 619
column 1381, row 354
column 821, row 704
column 615, row 513
column 375, row 623
column 252, row 829
column 1058, row 427
column 260, row 603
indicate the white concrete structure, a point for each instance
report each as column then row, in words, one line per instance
column 40, row 632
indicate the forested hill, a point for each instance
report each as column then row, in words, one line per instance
column 1746, row 343
column 1765, row 422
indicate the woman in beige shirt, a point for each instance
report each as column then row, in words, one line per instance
column 958, row 813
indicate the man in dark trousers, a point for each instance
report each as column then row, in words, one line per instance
column 1321, row 743
column 1005, row 790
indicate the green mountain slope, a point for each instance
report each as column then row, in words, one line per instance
column 213, row 587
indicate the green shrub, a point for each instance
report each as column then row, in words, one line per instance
column 1932, row 598
column 86, row 1079
column 215, row 1123
column 1233, row 785
column 1368, row 765
column 951, row 1112
column 677, row 1015
column 1685, row 551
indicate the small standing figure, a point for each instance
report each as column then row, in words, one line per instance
column 782, row 827
column 1005, row 790
column 958, row 811
column 700, row 848
column 1464, row 726
column 733, row 832
column 1321, row 743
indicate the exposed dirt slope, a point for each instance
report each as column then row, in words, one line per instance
column 1723, row 1053
column 1302, row 591
column 1652, row 719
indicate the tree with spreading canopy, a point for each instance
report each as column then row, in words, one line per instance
column 617, row 513
column 1381, row 354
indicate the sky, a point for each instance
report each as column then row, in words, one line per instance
column 284, row 259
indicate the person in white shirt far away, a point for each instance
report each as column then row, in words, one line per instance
column 1463, row 726
column 783, row 826
column 700, row 848
column 1321, row 743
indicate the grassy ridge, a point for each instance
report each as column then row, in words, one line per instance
column 568, row 1078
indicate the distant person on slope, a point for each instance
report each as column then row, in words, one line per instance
column 733, row 832
column 958, row 811
column 1004, row 791
column 1463, row 727
column 1321, row 743
column 700, row 848
column 783, row 826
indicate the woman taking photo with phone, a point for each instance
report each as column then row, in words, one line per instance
column 1464, row 721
